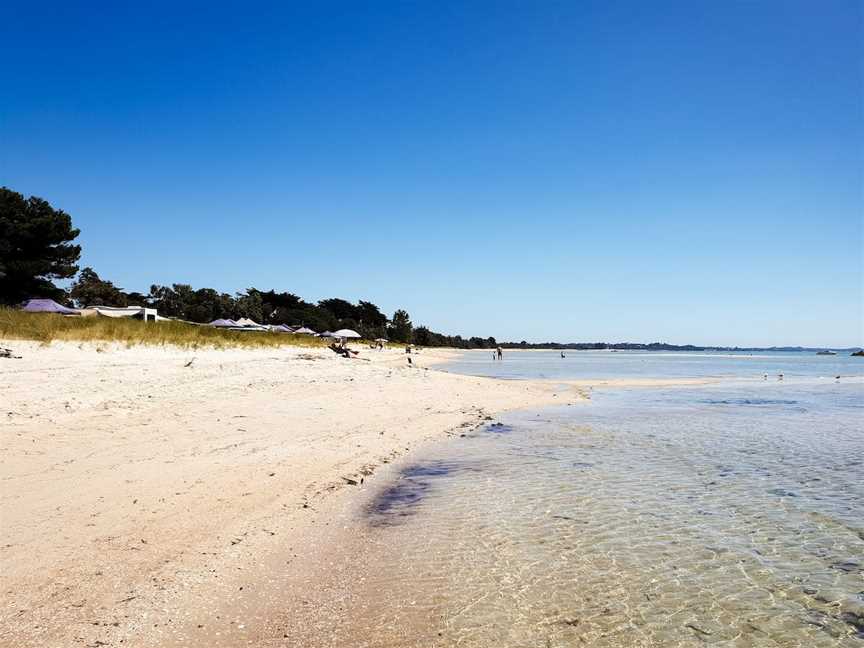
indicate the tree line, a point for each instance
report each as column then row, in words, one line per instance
column 37, row 247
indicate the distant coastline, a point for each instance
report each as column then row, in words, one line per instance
column 662, row 346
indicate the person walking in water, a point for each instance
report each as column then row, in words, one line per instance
column 500, row 353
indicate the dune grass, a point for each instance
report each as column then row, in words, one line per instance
column 48, row 327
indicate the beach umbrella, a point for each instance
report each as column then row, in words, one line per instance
column 381, row 340
column 346, row 333
column 325, row 334
column 304, row 331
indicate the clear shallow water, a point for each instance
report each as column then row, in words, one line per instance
column 728, row 515
column 653, row 364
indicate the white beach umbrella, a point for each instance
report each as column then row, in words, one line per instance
column 346, row 333
column 304, row 331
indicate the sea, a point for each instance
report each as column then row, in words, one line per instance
column 729, row 513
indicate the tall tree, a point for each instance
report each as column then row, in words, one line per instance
column 423, row 336
column 90, row 290
column 249, row 305
column 35, row 247
column 340, row 308
column 209, row 305
column 369, row 315
column 173, row 301
column 371, row 323
column 401, row 329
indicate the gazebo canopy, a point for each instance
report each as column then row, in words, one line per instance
column 47, row 306
column 245, row 321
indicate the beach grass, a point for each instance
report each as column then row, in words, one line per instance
column 49, row 327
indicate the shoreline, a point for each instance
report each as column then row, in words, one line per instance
column 143, row 487
column 140, row 485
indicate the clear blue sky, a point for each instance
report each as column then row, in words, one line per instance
column 686, row 171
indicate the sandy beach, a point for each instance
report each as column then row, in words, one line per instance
column 142, row 487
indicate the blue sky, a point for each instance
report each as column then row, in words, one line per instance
column 687, row 172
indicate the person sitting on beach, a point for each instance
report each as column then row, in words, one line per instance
column 344, row 351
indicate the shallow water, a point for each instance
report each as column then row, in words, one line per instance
column 730, row 515
column 655, row 364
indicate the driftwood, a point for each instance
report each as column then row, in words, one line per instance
column 7, row 353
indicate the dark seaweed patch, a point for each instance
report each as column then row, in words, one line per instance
column 431, row 469
column 781, row 492
column 725, row 471
column 414, row 483
column 847, row 566
column 747, row 401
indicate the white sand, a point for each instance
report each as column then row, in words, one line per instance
column 136, row 489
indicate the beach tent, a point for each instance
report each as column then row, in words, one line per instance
column 304, row 331
column 126, row 311
column 223, row 323
column 47, row 306
column 327, row 334
column 246, row 324
column 281, row 328
column 245, row 321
